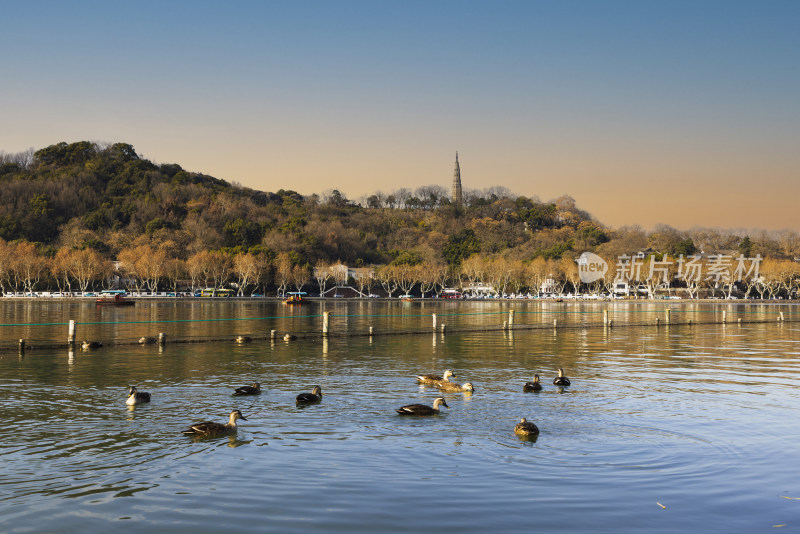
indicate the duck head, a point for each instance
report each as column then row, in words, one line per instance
column 440, row 401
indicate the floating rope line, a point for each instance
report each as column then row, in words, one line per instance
column 612, row 317
column 618, row 312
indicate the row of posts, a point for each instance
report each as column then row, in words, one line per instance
column 326, row 323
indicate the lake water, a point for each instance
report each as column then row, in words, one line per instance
column 662, row 430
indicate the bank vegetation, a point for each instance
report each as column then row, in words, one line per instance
column 85, row 216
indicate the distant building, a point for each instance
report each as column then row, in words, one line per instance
column 480, row 290
column 549, row 286
column 456, row 194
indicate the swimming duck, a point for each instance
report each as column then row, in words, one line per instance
column 243, row 339
column 525, row 428
column 308, row 398
column 561, row 380
column 144, row 340
column 255, row 389
column 137, row 397
column 422, row 409
column 89, row 345
column 452, row 387
column 433, row 379
column 532, row 386
column 210, row 428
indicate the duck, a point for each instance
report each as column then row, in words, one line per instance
column 137, row 397
column 561, row 380
column 289, row 337
column 243, row 339
column 525, row 428
column 433, row 379
column 422, row 409
column 145, row 340
column 211, row 428
column 308, row 398
column 255, row 389
column 452, row 387
column 532, row 386
column 89, row 345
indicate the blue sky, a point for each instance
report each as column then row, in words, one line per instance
column 645, row 112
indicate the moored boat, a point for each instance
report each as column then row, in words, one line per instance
column 113, row 297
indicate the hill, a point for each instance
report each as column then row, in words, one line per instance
column 107, row 198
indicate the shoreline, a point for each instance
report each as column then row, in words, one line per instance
column 163, row 298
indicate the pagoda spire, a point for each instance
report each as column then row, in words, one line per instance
column 456, row 197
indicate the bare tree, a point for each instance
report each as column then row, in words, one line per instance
column 219, row 267
column 5, row 264
column 59, row 269
column 322, row 274
column 405, row 277
column 426, row 275
column 568, row 268
column 28, row 266
column 339, row 274
column 245, row 266
column 301, row 275
column 173, row 271
column 473, row 269
column 385, row 276
column 537, row 272
column 196, row 268
column 85, row 266
column 364, row 278
column 283, row 272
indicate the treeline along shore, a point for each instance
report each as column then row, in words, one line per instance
column 84, row 216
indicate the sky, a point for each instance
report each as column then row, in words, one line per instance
column 675, row 112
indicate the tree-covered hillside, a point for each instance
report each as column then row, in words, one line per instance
column 68, row 210
column 108, row 198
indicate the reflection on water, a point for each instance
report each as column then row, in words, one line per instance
column 699, row 419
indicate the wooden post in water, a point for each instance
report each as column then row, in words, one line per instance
column 666, row 319
column 443, row 328
column 326, row 317
column 658, row 321
column 739, row 320
column 510, row 319
column 780, row 317
column 605, row 317
column 273, row 334
column 22, row 346
column 162, row 338
column 433, row 316
column 71, row 333
column 555, row 324
column 370, row 331
column 724, row 316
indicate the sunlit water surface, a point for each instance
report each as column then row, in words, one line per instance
column 662, row 430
